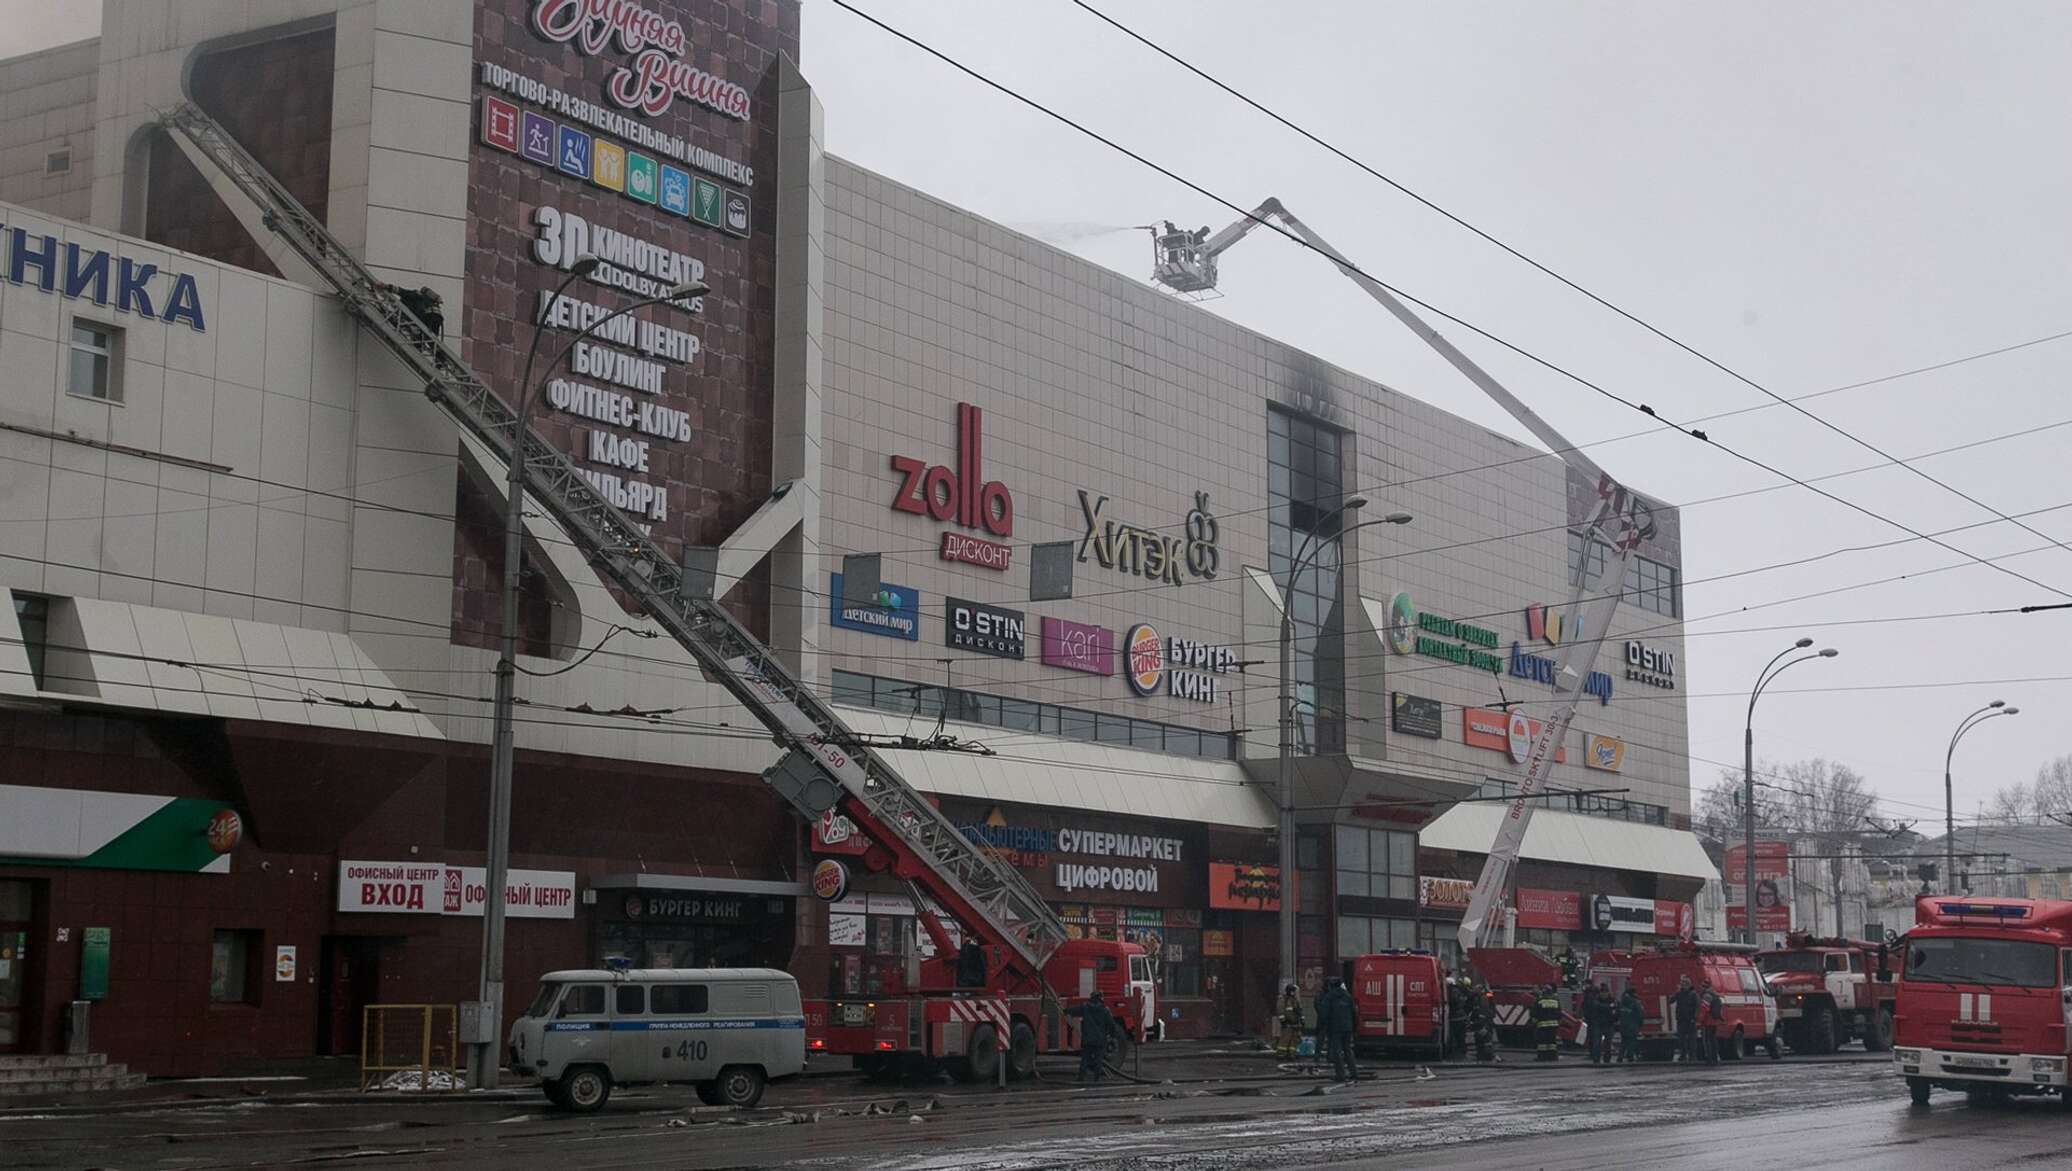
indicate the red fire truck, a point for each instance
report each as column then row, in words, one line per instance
column 1984, row 997
column 953, row 1010
column 1751, row 1013
column 1400, row 1002
column 1828, row 992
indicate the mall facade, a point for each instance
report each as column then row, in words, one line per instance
column 253, row 573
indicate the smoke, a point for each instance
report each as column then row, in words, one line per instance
column 1068, row 232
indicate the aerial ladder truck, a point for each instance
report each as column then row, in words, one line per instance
column 1000, row 994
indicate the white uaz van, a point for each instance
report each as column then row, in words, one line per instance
column 726, row 1031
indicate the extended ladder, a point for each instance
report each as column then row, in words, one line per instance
column 826, row 765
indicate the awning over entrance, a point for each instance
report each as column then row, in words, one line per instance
column 1575, row 839
column 1074, row 774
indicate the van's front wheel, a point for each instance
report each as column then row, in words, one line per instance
column 586, row 1088
column 738, row 1085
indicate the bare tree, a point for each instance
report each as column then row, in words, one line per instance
column 1833, row 805
column 2035, row 802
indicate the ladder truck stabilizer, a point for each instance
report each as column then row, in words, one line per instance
column 825, row 765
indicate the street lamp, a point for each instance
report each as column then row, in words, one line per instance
column 484, row 1061
column 1305, row 555
column 1770, row 671
column 1996, row 708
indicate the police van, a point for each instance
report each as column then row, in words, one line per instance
column 726, row 1031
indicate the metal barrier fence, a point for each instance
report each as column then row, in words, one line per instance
column 410, row 1047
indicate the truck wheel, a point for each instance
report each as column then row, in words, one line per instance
column 1735, row 1048
column 1820, row 1029
column 739, row 1085
column 982, row 1060
column 1877, row 1030
column 1917, row 1088
column 586, row 1088
column 1021, row 1051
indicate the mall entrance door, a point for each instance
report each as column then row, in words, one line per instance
column 16, row 905
column 348, row 980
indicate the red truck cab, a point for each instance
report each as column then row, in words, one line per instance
column 1985, row 996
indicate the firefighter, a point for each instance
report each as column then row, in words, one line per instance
column 1460, row 999
column 1096, row 1027
column 1484, row 1024
column 1631, row 1014
column 1546, row 1025
column 425, row 305
column 1685, row 1005
column 1289, row 1043
column 1711, row 1011
column 1598, row 1015
column 1335, row 1020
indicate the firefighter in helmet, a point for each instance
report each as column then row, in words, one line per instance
column 1546, row 1025
column 1288, row 1044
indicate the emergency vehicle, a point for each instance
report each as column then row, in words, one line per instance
column 1751, row 1013
column 1984, row 997
column 1399, row 998
column 1513, row 977
column 1828, row 992
column 952, row 1011
column 997, row 993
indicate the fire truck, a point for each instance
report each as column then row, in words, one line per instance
column 1984, row 997
column 1828, row 992
column 1399, row 1001
column 1001, row 990
column 1751, row 1012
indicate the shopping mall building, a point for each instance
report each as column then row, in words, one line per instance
column 254, row 573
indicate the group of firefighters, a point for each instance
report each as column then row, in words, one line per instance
column 1611, row 1026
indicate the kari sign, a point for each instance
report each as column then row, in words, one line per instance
column 1244, row 886
column 1560, row 910
column 1076, row 646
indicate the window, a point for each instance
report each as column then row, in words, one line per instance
column 1649, row 584
column 925, row 700
column 1749, row 981
column 1305, row 488
column 95, row 350
column 231, row 956
column 680, row 999
column 582, row 1000
column 1360, row 935
column 58, row 162
column 32, row 613
column 1377, row 863
column 1981, row 961
column 629, row 1000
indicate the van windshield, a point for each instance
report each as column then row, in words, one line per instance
column 544, row 1002
column 1981, row 961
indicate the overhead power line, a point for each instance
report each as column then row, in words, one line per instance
column 1508, row 249
column 1347, row 265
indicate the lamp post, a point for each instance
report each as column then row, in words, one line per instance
column 1770, row 671
column 1305, row 555
column 1996, row 708
column 484, row 1061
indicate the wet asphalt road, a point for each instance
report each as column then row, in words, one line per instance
column 1241, row 1114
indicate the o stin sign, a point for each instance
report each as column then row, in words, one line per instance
column 658, row 74
column 962, row 495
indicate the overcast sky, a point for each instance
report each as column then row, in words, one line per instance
column 1813, row 195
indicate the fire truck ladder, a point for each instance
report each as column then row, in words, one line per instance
column 826, row 765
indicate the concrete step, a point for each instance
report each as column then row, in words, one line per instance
column 96, row 1081
column 15, row 1061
